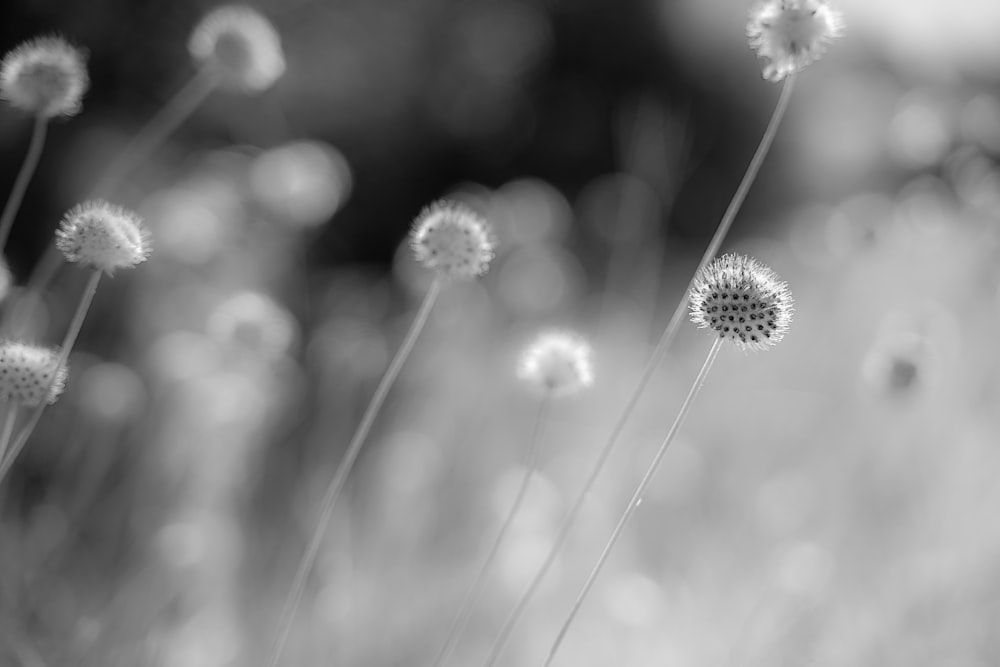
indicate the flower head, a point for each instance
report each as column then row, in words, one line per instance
column 255, row 323
column 743, row 300
column 241, row 46
column 45, row 76
column 790, row 34
column 27, row 373
column 453, row 240
column 103, row 236
column 557, row 363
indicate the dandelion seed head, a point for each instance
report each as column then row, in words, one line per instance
column 743, row 301
column 27, row 372
column 241, row 46
column 791, row 34
column 103, row 236
column 453, row 240
column 45, row 76
column 557, row 363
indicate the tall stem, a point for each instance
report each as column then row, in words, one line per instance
column 666, row 340
column 472, row 595
column 9, row 417
column 23, row 178
column 633, row 504
column 68, row 341
column 340, row 475
column 150, row 137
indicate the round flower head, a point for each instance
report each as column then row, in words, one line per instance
column 743, row 300
column 44, row 76
column 453, row 240
column 103, row 236
column 241, row 46
column 27, row 372
column 557, row 363
column 790, row 34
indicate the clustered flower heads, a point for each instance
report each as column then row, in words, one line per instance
column 791, row 34
column 27, row 372
column 557, row 363
column 453, row 240
column 241, row 46
column 743, row 300
column 44, row 76
column 103, row 236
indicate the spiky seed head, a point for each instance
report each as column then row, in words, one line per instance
column 453, row 240
column 743, row 301
column 103, row 236
column 240, row 46
column 791, row 34
column 45, row 76
column 28, row 373
column 557, row 363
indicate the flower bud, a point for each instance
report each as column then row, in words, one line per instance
column 44, row 76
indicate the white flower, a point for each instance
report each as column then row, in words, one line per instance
column 27, row 372
column 743, row 300
column 791, row 34
column 557, row 363
column 103, row 236
column 453, row 240
column 45, row 76
column 241, row 46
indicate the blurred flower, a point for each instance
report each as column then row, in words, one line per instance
column 557, row 363
column 241, row 46
column 791, row 34
column 743, row 300
column 254, row 322
column 27, row 371
column 453, row 240
column 111, row 392
column 302, row 183
column 103, row 236
column 45, row 76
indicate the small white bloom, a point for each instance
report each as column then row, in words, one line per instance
column 103, row 236
column 453, row 240
column 742, row 300
column 27, row 372
column 241, row 46
column 557, row 363
column 791, row 34
column 45, row 76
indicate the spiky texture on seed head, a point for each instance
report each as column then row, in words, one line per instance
column 27, row 372
column 453, row 240
column 743, row 301
column 45, row 76
column 103, row 236
column 791, row 34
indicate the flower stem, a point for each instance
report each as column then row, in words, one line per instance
column 68, row 340
column 472, row 595
column 633, row 504
column 659, row 352
column 23, row 178
column 9, row 417
column 151, row 136
column 342, row 471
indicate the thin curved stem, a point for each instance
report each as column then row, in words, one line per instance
column 68, row 341
column 23, row 178
column 340, row 475
column 656, row 358
column 472, row 595
column 149, row 137
column 633, row 504
column 7, row 430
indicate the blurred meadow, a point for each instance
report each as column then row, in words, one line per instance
column 829, row 502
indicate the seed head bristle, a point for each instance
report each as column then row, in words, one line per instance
column 27, row 371
column 557, row 363
column 45, row 76
column 453, row 240
column 743, row 301
column 791, row 34
column 103, row 236
column 241, row 47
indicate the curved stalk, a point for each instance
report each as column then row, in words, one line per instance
column 27, row 170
